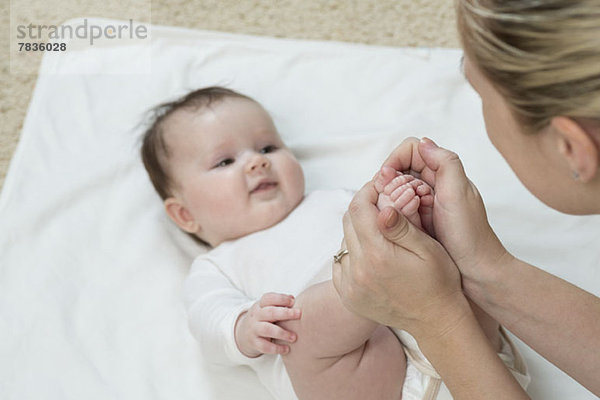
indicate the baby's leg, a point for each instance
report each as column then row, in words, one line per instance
column 407, row 194
column 339, row 355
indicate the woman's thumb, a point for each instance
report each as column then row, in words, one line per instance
column 445, row 164
column 394, row 226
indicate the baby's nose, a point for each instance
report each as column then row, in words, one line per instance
column 257, row 162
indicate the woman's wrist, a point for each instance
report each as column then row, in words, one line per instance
column 441, row 318
column 460, row 351
column 481, row 280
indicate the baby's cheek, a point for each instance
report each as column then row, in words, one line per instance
column 293, row 178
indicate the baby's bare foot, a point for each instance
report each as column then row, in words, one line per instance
column 409, row 195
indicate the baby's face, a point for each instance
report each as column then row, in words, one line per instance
column 233, row 175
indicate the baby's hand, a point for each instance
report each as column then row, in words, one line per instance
column 409, row 195
column 255, row 328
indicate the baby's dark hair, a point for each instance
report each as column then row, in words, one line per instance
column 155, row 151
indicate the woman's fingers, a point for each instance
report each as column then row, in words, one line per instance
column 425, row 160
column 441, row 166
column 363, row 207
column 362, row 213
column 406, row 157
column 342, row 268
column 458, row 208
column 366, row 223
column 343, row 277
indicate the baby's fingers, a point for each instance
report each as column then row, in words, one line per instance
column 272, row 331
column 276, row 299
column 265, row 346
column 274, row 314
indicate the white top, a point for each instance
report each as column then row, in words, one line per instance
column 285, row 258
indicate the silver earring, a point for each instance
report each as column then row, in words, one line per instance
column 576, row 175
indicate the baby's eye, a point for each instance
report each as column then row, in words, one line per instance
column 268, row 149
column 224, row 163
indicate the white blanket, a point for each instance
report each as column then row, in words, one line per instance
column 91, row 270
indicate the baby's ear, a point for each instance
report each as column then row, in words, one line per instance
column 180, row 215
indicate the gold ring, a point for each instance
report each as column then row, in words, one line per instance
column 337, row 258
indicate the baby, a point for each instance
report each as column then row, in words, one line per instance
column 226, row 177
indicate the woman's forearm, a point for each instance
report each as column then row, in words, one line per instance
column 464, row 358
column 557, row 319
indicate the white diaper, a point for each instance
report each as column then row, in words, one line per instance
column 423, row 383
column 419, row 385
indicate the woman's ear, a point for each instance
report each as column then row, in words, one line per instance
column 578, row 148
column 180, row 215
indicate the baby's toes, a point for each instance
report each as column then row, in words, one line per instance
column 402, row 195
column 411, row 210
column 398, row 182
column 422, row 189
column 426, row 200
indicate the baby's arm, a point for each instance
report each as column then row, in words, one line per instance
column 339, row 355
column 215, row 310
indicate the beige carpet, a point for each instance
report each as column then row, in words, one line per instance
column 428, row 23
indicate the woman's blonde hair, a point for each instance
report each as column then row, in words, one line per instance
column 542, row 55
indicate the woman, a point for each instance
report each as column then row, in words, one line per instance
column 536, row 67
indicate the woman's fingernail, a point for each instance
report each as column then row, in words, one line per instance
column 381, row 175
column 428, row 142
column 392, row 218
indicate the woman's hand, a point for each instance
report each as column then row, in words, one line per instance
column 400, row 276
column 408, row 282
column 255, row 328
column 459, row 217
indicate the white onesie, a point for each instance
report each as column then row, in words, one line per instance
column 285, row 258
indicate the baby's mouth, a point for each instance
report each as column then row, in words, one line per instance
column 263, row 187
